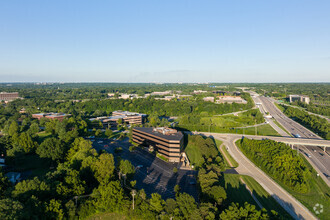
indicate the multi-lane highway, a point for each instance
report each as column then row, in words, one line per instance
column 293, row 127
column 320, row 160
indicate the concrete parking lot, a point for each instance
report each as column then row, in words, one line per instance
column 153, row 174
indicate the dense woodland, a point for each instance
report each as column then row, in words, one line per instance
column 80, row 181
column 279, row 161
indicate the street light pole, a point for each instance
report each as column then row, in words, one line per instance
column 133, row 194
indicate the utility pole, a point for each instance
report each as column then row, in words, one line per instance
column 255, row 122
column 133, row 194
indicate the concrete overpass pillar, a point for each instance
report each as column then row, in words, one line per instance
column 324, row 148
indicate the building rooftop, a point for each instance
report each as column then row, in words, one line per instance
column 164, row 133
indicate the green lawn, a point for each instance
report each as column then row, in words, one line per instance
column 194, row 155
column 236, row 191
column 264, row 198
column 264, row 130
column 229, row 157
column 319, row 192
column 230, row 121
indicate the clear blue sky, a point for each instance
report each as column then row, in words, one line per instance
column 165, row 41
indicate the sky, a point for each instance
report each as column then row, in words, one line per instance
column 165, row 41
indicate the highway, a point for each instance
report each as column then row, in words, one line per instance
column 319, row 160
column 246, row 167
column 292, row 126
column 262, row 109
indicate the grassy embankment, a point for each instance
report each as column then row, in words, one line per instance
column 226, row 155
column 318, row 193
column 238, row 193
column 235, row 189
column 280, row 126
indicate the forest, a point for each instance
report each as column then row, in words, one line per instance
column 74, row 181
column 279, row 161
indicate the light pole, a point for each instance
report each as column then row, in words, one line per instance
column 133, row 194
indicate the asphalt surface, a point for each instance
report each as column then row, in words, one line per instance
column 292, row 126
column 319, row 160
column 152, row 174
column 246, row 167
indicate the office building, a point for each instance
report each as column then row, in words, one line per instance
column 231, row 99
column 167, row 142
column 52, row 116
column 126, row 117
column 301, row 98
column 8, row 96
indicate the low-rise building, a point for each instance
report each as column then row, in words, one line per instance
column 301, row 98
column 51, row 115
column 126, row 117
column 162, row 93
column 208, row 99
column 199, row 91
column 231, row 99
column 8, row 96
column 167, row 142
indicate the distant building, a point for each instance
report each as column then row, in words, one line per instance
column 208, row 99
column 231, row 99
column 126, row 117
column 301, row 98
column 111, row 95
column 8, row 96
column 125, row 96
column 218, row 92
column 162, row 93
column 199, row 92
column 167, row 142
column 52, row 116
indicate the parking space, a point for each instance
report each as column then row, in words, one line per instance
column 152, row 174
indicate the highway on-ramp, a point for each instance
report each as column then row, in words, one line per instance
column 246, row 167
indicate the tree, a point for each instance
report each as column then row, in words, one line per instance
column 50, row 126
column 104, row 167
column 108, row 133
column 126, row 168
column 4, row 183
column 177, row 189
column 54, row 210
column 248, row 211
column 170, row 206
column 109, row 197
column 13, row 128
column 34, row 129
column 156, row 203
column 218, row 193
column 11, row 209
column 98, row 133
column 51, row 148
column 25, row 142
column 186, row 204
